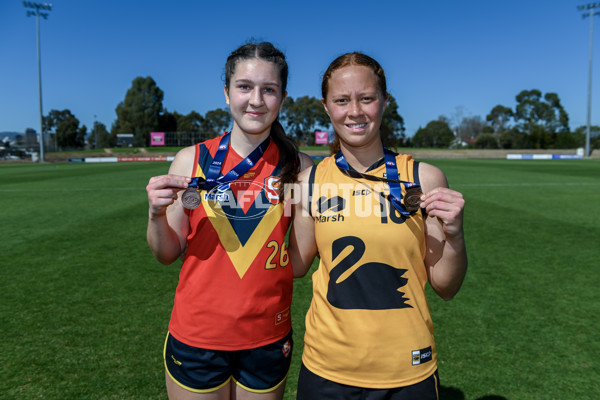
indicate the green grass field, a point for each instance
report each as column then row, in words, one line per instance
column 84, row 307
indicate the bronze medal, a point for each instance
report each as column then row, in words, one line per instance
column 190, row 198
column 412, row 199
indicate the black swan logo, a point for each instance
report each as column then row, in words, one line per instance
column 372, row 286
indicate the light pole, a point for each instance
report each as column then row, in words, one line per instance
column 36, row 7
column 591, row 8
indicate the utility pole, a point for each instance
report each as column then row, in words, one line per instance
column 592, row 11
column 35, row 11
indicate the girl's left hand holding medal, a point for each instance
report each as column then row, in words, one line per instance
column 447, row 205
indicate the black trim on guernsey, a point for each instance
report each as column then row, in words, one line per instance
column 375, row 165
column 416, row 172
column 311, row 184
column 418, row 181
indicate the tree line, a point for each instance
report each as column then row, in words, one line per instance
column 537, row 121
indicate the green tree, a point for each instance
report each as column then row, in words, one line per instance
column 542, row 118
column 529, row 109
column 68, row 132
column 141, row 110
column 185, row 124
column 487, row 141
column 514, row 139
column 303, row 116
column 100, row 137
column 70, row 135
column 581, row 132
column 54, row 117
column 556, row 118
column 167, row 122
column 569, row 140
column 499, row 118
column 217, row 121
column 193, row 122
column 392, row 125
column 435, row 134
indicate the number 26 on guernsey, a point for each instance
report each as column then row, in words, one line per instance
column 277, row 250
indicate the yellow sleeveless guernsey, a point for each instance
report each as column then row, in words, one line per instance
column 369, row 323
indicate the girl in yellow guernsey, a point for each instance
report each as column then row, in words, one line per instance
column 230, row 330
column 383, row 225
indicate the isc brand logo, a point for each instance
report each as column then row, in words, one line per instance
column 422, row 356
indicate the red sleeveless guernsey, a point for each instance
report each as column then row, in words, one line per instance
column 235, row 285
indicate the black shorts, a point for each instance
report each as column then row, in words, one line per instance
column 259, row 370
column 313, row 387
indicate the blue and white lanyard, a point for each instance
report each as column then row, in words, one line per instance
column 214, row 170
column 391, row 171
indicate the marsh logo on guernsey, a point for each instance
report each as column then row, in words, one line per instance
column 422, row 356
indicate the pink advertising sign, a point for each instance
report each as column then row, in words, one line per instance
column 157, row 138
column 321, row 137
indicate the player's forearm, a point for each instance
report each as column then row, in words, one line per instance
column 163, row 240
column 303, row 247
column 449, row 272
column 302, row 251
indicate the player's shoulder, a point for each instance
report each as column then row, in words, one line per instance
column 304, row 175
column 431, row 177
column 186, row 154
column 306, row 161
column 183, row 161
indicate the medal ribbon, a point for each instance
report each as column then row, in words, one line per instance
column 214, row 170
column 391, row 172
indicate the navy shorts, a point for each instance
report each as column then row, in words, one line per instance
column 313, row 387
column 259, row 370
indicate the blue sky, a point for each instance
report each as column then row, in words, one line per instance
column 454, row 58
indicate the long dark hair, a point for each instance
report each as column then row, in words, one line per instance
column 346, row 60
column 288, row 151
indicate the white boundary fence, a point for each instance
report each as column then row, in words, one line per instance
column 119, row 159
column 544, row 157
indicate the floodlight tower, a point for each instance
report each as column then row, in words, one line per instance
column 36, row 9
column 592, row 11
